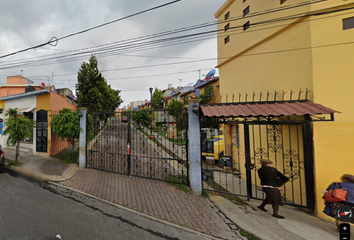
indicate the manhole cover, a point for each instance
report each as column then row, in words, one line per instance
column 56, row 167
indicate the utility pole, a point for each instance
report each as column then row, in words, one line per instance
column 199, row 74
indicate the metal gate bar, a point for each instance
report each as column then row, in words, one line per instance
column 124, row 144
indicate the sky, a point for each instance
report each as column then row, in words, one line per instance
column 27, row 23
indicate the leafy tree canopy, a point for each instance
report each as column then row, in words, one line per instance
column 157, row 99
column 207, row 95
column 176, row 110
column 17, row 128
column 66, row 125
column 92, row 90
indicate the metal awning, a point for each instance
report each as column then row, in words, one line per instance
column 266, row 109
column 24, row 110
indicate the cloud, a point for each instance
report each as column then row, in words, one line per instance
column 25, row 23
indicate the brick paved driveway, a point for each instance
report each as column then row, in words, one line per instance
column 156, row 198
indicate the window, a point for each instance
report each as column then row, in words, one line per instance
column 348, row 23
column 227, row 15
column 227, row 39
column 246, row 11
column 227, row 27
column 246, row 26
column 282, row 1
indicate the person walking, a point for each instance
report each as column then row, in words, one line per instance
column 347, row 183
column 271, row 181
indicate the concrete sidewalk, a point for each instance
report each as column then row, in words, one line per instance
column 155, row 198
column 44, row 168
column 297, row 225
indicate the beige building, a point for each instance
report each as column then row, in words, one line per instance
column 279, row 50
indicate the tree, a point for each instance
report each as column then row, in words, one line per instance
column 141, row 117
column 90, row 86
column 17, row 129
column 93, row 92
column 207, row 95
column 66, row 125
column 176, row 110
column 157, row 99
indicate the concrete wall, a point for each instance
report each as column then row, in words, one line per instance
column 293, row 55
column 18, row 80
column 333, row 86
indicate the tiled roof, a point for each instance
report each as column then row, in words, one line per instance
column 265, row 109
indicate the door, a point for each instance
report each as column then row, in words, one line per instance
column 286, row 146
column 42, row 136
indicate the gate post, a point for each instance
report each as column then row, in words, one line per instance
column 195, row 169
column 83, row 133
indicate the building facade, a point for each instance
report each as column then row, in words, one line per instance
column 40, row 106
column 293, row 50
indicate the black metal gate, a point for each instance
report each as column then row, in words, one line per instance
column 146, row 143
column 232, row 152
column 289, row 146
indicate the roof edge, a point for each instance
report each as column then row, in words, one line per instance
column 223, row 8
column 28, row 94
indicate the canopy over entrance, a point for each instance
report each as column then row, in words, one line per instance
column 268, row 110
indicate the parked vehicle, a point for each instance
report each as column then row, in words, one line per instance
column 124, row 119
column 213, row 146
column 2, row 157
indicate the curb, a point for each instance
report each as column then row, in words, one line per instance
column 243, row 220
column 140, row 213
column 69, row 173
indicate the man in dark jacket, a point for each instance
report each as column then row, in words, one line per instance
column 271, row 181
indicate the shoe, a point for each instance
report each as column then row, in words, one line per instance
column 278, row 216
column 263, row 209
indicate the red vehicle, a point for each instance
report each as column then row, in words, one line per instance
column 124, row 119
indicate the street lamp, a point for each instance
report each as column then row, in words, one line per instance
column 150, row 89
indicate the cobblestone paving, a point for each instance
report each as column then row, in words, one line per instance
column 156, row 198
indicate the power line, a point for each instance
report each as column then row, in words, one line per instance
column 55, row 40
column 208, row 24
column 246, row 55
column 228, row 33
column 122, row 78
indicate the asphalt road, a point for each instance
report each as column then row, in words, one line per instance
column 32, row 210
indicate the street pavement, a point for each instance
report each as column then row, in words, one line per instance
column 31, row 210
column 156, row 198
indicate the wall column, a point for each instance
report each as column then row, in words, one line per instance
column 83, row 133
column 195, row 164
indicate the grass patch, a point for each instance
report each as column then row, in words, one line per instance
column 234, row 199
column 148, row 135
column 248, row 235
column 71, row 157
column 205, row 194
column 179, row 182
column 13, row 163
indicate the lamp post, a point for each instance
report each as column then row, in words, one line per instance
column 150, row 89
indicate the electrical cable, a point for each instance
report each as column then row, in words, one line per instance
column 55, row 39
column 274, row 20
column 231, row 19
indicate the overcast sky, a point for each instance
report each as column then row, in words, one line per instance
column 26, row 23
